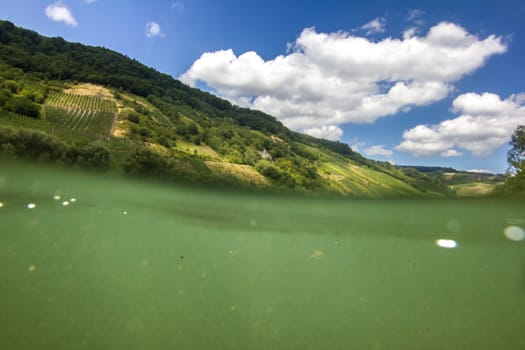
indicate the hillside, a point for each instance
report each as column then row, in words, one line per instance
column 464, row 183
column 97, row 108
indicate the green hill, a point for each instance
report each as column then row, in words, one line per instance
column 95, row 108
column 464, row 183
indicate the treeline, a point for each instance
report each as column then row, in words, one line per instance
column 19, row 143
column 141, row 162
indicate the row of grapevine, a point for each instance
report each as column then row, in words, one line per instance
column 92, row 103
column 89, row 123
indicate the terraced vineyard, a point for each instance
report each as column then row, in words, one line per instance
column 89, row 116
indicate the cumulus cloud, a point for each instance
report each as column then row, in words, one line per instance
column 451, row 153
column 329, row 79
column 410, row 32
column 59, row 12
column 375, row 26
column 153, row 30
column 485, row 122
column 378, row 150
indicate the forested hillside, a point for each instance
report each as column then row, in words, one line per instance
column 94, row 104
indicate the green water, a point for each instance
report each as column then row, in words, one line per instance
column 129, row 265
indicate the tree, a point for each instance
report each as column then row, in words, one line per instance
column 23, row 106
column 516, row 155
column 515, row 183
column 144, row 162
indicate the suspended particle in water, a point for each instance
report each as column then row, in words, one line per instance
column 65, row 203
column 73, row 200
column 31, row 206
column 514, row 233
column 56, row 197
column 125, row 213
column 31, row 268
column 1, row 204
column 317, row 254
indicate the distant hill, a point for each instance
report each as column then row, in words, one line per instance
column 429, row 169
column 95, row 108
column 463, row 183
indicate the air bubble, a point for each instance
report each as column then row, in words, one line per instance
column 514, row 233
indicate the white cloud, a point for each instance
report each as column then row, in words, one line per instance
column 414, row 14
column 329, row 79
column 153, row 30
column 409, row 33
column 330, row 132
column 451, row 153
column 485, row 122
column 375, row 26
column 356, row 145
column 378, row 150
column 59, row 12
column 89, row 1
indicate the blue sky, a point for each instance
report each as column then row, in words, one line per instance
column 411, row 82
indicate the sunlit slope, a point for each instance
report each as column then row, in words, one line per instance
column 355, row 179
column 337, row 173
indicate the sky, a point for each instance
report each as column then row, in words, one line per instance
column 438, row 83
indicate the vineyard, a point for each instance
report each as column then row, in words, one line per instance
column 89, row 116
column 82, row 102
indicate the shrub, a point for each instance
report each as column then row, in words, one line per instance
column 268, row 169
column 5, row 95
column 94, row 156
column 23, row 106
column 33, row 144
column 12, row 86
column 144, row 162
column 134, row 117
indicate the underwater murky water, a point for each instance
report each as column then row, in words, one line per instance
column 95, row 262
